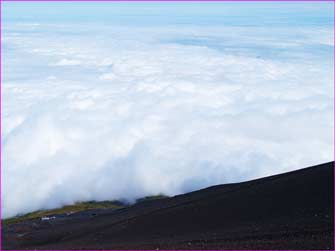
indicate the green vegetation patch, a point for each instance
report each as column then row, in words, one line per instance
column 153, row 197
column 80, row 206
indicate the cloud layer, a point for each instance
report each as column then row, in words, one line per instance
column 123, row 112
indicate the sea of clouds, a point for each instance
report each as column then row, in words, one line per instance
column 112, row 112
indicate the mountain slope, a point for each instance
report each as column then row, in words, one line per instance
column 287, row 211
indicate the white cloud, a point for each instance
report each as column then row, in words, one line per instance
column 145, row 112
column 70, row 62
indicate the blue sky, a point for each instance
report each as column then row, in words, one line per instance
column 151, row 13
column 105, row 101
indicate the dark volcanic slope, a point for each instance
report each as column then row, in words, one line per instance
column 288, row 211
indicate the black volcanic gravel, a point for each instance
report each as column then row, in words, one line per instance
column 287, row 211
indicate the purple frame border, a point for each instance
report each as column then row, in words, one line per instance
column 1, row 157
column 167, row 1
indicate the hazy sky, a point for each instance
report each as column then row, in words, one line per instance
column 107, row 101
column 154, row 13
